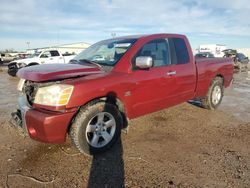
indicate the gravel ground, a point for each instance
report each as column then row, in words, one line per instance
column 183, row 146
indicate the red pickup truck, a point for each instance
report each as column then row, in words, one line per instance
column 111, row 82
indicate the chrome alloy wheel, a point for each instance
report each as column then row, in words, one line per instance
column 100, row 129
column 216, row 95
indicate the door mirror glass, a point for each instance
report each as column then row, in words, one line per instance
column 144, row 62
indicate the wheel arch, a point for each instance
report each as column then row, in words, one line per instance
column 206, row 100
column 32, row 63
column 110, row 98
column 218, row 76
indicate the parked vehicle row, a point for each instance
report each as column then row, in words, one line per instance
column 42, row 57
column 111, row 82
column 5, row 57
column 240, row 60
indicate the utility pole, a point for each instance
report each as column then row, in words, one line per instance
column 113, row 35
column 28, row 43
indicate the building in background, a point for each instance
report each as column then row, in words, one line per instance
column 215, row 49
column 73, row 48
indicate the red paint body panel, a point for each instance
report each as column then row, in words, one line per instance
column 47, row 126
column 209, row 68
column 141, row 91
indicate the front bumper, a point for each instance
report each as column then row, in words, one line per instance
column 44, row 126
column 12, row 69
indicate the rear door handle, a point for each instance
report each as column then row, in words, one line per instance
column 171, row 73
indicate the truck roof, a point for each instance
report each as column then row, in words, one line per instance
column 148, row 35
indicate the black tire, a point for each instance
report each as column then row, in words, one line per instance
column 12, row 72
column 209, row 102
column 85, row 117
column 12, row 69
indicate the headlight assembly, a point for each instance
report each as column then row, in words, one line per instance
column 54, row 95
column 20, row 84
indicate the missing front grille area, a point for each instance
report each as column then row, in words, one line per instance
column 30, row 89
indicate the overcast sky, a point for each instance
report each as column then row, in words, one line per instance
column 49, row 22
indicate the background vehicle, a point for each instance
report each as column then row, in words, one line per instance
column 5, row 57
column 22, row 56
column 215, row 49
column 132, row 76
column 240, row 60
column 204, row 55
column 43, row 57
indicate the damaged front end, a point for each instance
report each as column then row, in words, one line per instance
column 41, row 124
column 27, row 92
column 18, row 117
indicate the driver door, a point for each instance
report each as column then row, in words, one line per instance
column 151, row 87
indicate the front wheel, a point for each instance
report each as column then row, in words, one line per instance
column 214, row 95
column 96, row 128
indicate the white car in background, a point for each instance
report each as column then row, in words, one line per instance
column 6, row 57
column 38, row 58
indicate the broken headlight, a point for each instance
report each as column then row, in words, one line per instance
column 54, row 95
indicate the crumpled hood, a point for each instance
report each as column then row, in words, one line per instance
column 40, row 73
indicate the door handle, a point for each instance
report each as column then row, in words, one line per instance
column 171, row 73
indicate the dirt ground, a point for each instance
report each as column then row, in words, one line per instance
column 183, row 146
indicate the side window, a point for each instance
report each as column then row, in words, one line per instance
column 158, row 50
column 181, row 51
column 54, row 53
column 46, row 54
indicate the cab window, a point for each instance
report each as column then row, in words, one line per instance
column 158, row 50
column 54, row 53
column 179, row 51
column 46, row 54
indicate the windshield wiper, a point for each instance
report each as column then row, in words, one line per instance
column 90, row 62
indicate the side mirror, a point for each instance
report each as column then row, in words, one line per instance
column 144, row 62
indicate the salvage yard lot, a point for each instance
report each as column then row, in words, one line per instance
column 183, row 146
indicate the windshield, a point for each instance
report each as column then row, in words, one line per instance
column 36, row 54
column 107, row 52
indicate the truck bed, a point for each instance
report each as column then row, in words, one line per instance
column 209, row 68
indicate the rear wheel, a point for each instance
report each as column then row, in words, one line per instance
column 96, row 128
column 214, row 95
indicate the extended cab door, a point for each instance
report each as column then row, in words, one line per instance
column 182, row 71
column 151, row 86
